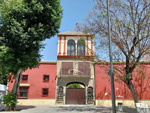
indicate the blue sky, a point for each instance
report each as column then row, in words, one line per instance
column 73, row 11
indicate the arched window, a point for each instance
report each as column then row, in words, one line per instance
column 71, row 48
column 81, row 48
column 90, row 93
column 60, row 93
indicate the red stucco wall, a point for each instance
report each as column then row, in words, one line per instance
column 140, row 80
column 102, row 82
column 35, row 79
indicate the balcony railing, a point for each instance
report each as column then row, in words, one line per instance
column 75, row 72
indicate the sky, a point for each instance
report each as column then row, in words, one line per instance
column 73, row 11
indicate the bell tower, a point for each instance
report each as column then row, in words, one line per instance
column 75, row 65
column 75, row 43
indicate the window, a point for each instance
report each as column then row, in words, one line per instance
column 90, row 93
column 67, row 68
column 60, row 93
column 81, row 48
column 46, row 78
column 71, row 48
column 84, row 68
column 23, row 92
column 45, row 91
column 24, row 77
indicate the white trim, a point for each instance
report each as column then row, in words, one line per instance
column 24, row 85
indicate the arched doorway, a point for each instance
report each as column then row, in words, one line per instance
column 75, row 93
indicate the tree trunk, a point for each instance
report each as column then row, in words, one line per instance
column 15, row 89
column 17, row 82
column 134, row 94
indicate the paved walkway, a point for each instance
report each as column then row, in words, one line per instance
column 67, row 109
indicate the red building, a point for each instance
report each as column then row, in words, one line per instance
column 37, row 83
column 140, row 79
column 48, row 83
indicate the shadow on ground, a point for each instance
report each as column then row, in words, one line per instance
column 19, row 108
column 95, row 109
column 129, row 109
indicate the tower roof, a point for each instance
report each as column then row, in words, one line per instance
column 75, row 33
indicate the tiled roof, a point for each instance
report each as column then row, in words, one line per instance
column 74, row 33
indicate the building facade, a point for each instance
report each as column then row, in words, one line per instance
column 38, row 85
column 75, row 65
column 48, row 83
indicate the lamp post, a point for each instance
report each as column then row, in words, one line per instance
column 111, row 63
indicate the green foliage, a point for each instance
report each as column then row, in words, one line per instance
column 24, row 25
column 141, row 72
column 3, row 79
column 82, row 40
column 9, row 99
column 93, row 37
column 7, row 5
column 90, row 96
column 74, row 86
column 128, row 76
column 118, row 0
column 3, row 68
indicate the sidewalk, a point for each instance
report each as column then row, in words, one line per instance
column 67, row 109
column 19, row 109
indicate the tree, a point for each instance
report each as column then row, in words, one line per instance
column 130, row 33
column 75, row 85
column 3, row 69
column 3, row 79
column 24, row 24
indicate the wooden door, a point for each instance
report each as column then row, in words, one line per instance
column 75, row 96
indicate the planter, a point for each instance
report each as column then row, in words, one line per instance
column 91, row 102
column 60, row 101
column 10, row 108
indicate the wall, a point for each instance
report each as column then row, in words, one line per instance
column 36, row 102
column 35, row 81
column 140, row 79
column 63, row 80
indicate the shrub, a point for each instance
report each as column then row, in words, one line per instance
column 9, row 99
